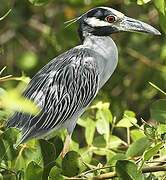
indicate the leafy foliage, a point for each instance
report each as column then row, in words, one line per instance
column 121, row 143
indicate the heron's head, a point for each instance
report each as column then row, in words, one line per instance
column 103, row 21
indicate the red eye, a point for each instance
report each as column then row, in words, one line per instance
column 110, row 19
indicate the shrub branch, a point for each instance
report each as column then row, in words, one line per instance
column 144, row 170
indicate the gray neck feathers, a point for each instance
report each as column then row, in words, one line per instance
column 108, row 60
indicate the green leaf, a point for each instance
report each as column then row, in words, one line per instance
column 1, row 18
column 158, row 111
column 128, row 170
column 104, row 118
column 99, row 141
column 12, row 100
column 128, row 120
column 162, row 19
column 1, row 50
column 58, row 145
column 70, row 164
column 19, row 163
column 33, row 171
column 90, row 130
column 160, row 5
column 152, row 151
column 55, row 173
column 2, row 151
column 149, row 131
column 39, row 2
column 74, row 145
column 11, row 135
column 136, row 134
column 114, row 142
column 2, row 93
column 101, row 105
column 49, row 156
column 141, row 2
column 48, row 151
column 28, row 60
column 138, row 147
column 86, row 156
column 115, row 158
column 161, row 129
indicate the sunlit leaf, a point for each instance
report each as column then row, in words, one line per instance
column 104, row 118
column 90, row 130
column 39, row 2
column 114, row 142
column 12, row 100
column 2, row 93
column 128, row 170
column 128, row 120
column 28, row 60
column 158, row 111
column 141, row 2
column 160, row 5
column 136, row 134
column 161, row 129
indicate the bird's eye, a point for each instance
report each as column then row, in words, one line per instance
column 111, row 19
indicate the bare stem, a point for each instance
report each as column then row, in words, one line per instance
column 9, row 170
column 144, row 170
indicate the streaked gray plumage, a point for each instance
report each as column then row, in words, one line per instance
column 65, row 87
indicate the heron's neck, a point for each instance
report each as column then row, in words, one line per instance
column 104, row 46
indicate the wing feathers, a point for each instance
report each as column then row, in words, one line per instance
column 61, row 89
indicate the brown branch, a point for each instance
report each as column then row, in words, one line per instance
column 9, row 79
column 144, row 59
column 144, row 170
column 9, row 170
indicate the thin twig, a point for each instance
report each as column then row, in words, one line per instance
column 144, row 170
column 128, row 135
column 9, row 170
column 92, row 170
column 144, row 59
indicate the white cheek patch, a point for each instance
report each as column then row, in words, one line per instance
column 94, row 22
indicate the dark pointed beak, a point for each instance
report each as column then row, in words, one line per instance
column 132, row 25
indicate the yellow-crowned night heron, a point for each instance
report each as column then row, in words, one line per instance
column 65, row 87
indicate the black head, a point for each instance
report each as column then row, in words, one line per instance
column 103, row 21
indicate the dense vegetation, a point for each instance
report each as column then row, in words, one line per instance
column 122, row 134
